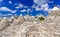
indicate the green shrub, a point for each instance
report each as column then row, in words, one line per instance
column 41, row 18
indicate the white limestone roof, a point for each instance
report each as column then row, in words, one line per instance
column 55, row 8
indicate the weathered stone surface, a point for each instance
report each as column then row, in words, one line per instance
column 18, row 21
column 3, row 24
column 21, row 27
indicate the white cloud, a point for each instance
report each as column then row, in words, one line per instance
column 1, row 0
column 34, row 6
column 7, row 9
column 24, row 10
column 19, row 6
column 28, row 10
column 44, row 5
column 10, row 2
column 5, row 15
column 13, row 11
column 25, row 6
column 51, row 2
column 37, row 9
column 46, row 8
column 10, row 14
column 15, row 4
column 40, row 2
column 4, row 9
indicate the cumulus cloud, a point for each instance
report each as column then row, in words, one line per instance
column 7, row 9
column 25, row 6
column 24, row 10
column 40, row 2
column 37, row 9
column 43, row 4
column 14, row 11
column 4, row 15
column 10, row 2
column 51, row 2
column 1, row 1
column 29, row 10
column 4, row 9
column 44, row 7
column 19, row 6
column 10, row 14
column 33, row 6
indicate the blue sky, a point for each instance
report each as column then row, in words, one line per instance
column 28, row 7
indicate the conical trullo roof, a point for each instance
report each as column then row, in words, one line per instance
column 3, row 24
column 55, row 8
column 55, row 12
column 18, row 21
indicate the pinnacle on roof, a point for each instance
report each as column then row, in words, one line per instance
column 55, row 8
